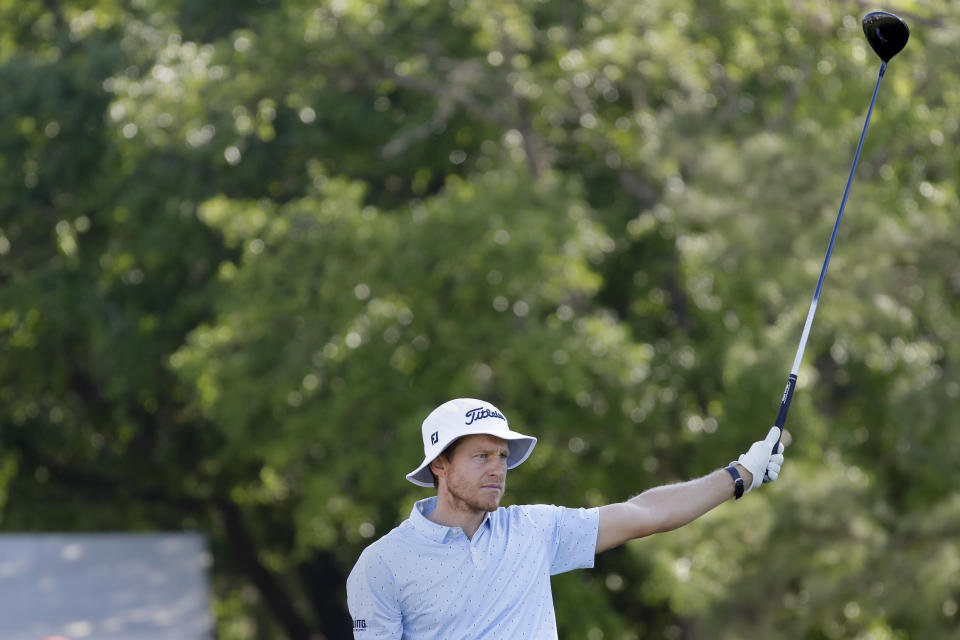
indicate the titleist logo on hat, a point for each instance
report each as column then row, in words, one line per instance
column 480, row 413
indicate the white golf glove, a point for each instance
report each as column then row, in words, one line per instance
column 760, row 460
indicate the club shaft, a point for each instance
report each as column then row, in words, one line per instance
column 792, row 379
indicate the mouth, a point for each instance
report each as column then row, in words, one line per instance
column 493, row 487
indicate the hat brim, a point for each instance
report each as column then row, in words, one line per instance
column 521, row 446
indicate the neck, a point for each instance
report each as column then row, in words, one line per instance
column 452, row 512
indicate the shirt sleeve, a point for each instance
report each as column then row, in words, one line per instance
column 570, row 535
column 372, row 599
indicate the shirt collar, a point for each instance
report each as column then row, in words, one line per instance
column 432, row 530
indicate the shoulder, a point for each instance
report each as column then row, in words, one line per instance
column 374, row 560
column 549, row 517
column 369, row 565
column 535, row 512
column 539, row 516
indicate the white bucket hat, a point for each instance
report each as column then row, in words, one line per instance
column 464, row 417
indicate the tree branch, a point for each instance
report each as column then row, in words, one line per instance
column 275, row 595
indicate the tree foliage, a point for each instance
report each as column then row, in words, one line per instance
column 246, row 247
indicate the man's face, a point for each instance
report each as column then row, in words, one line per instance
column 475, row 476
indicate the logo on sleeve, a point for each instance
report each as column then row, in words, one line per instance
column 360, row 625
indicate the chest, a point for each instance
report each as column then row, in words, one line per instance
column 476, row 582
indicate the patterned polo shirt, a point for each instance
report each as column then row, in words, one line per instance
column 424, row 580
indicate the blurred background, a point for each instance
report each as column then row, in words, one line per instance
column 246, row 247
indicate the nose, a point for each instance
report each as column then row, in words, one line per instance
column 497, row 468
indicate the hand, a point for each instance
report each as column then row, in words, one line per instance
column 760, row 460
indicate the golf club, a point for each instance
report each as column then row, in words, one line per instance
column 887, row 35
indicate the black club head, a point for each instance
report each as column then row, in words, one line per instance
column 886, row 33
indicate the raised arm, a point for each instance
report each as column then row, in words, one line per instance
column 671, row 506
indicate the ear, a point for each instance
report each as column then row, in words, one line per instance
column 439, row 466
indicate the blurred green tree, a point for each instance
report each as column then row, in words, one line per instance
column 245, row 247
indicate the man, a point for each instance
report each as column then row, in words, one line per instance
column 462, row 567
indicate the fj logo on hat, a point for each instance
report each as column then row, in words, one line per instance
column 435, row 437
column 480, row 413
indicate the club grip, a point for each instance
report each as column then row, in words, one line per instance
column 784, row 408
column 785, row 402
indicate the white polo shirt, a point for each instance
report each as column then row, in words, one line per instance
column 424, row 580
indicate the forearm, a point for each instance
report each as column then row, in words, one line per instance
column 664, row 508
column 682, row 503
column 671, row 506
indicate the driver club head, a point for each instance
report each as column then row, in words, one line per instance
column 886, row 33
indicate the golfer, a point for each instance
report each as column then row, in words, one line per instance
column 463, row 567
